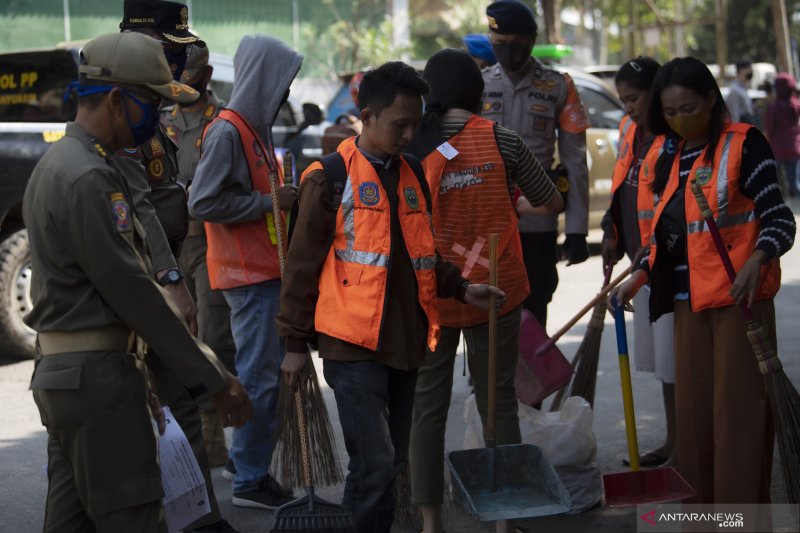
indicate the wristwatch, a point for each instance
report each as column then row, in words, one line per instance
column 173, row 275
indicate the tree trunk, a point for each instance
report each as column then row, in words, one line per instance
column 782, row 44
column 552, row 20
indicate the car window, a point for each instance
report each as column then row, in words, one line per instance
column 603, row 111
column 32, row 86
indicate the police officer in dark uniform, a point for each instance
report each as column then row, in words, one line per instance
column 152, row 170
column 184, row 124
column 92, row 294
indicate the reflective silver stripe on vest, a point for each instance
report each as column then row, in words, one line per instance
column 424, row 263
column 362, row 258
column 626, row 127
column 645, row 214
column 350, row 255
column 722, row 178
column 724, row 221
column 348, row 207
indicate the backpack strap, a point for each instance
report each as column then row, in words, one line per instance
column 335, row 176
column 416, row 166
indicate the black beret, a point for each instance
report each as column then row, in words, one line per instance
column 170, row 19
column 511, row 17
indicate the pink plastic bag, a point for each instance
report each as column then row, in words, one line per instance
column 538, row 376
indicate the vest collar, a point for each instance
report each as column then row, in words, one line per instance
column 374, row 161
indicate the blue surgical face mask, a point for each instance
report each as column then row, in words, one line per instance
column 145, row 129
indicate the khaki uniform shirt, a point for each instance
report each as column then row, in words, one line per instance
column 87, row 252
column 545, row 108
column 186, row 131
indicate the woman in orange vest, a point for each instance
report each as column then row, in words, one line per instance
column 626, row 231
column 724, row 429
column 472, row 165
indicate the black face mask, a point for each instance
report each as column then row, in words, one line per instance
column 200, row 85
column 176, row 61
column 512, row 56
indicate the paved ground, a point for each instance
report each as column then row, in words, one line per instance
column 22, row 441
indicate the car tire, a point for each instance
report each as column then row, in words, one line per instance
column 16, row 338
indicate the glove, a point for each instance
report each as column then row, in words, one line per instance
column 575, row 250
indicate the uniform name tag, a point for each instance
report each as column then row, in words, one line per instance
column 447, row 150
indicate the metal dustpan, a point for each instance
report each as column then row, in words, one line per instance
column 524, row 485
column 657, row 485
column 513, row 481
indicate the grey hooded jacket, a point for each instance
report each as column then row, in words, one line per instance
column 222, row 191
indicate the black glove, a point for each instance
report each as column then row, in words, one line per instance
column 575, row 250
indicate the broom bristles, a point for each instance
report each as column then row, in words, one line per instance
column 785, row 405
column 287, row 459
column 585, row 362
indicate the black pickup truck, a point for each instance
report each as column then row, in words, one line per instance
column 33, row 113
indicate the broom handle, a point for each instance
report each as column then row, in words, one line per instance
column 708, row 216
column 586, row 308
column 627, row 390
column 492, row 371
column 301, row 424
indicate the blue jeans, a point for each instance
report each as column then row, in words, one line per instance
column 375, row 404
column 259, row 355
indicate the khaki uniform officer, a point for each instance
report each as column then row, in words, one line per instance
column 537, row 102
column 185, row 125
column 92, row 293
column 153, row 165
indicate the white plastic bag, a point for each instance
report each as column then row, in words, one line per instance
column 566, row 438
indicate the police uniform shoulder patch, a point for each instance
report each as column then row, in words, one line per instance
column 209, row 112
column 120, row 212
column 703, row 175
column 155, row 147
column 100, row 150
column 411, row 197
column 156, row 169
column 369, row 193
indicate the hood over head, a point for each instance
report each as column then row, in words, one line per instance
column 264, row 68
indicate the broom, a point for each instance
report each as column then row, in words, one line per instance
column 309, row 513
column 595, row 324
column 287, row 462
column 586, row 358
column 783, row 397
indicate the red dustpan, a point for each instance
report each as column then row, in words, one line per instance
column 658, row 485
column 540, row 372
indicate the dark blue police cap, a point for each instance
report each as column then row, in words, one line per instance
column 511, row 17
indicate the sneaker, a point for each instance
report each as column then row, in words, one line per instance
column 229, row 471
column 269, row 495
column 217, row 527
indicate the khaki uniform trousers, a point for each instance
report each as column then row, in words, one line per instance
column 725, row 434
column 102, row 450
column 434, row 389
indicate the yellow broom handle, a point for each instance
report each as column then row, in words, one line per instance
column 627, row 390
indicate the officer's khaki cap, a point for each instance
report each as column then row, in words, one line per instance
column 135, row 59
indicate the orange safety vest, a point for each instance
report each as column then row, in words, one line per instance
column 471, row 200
column 644, row 199
column 353, row 282
column 245, row 253
column 735, row 216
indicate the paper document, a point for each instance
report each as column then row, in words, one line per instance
column 185, row 497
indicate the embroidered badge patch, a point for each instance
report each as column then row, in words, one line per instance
column 369, row 193
column 156, row 168
column 120, row 212
column 155, row 147
column 539, row 108
column 411, row 197
column 703, row 175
